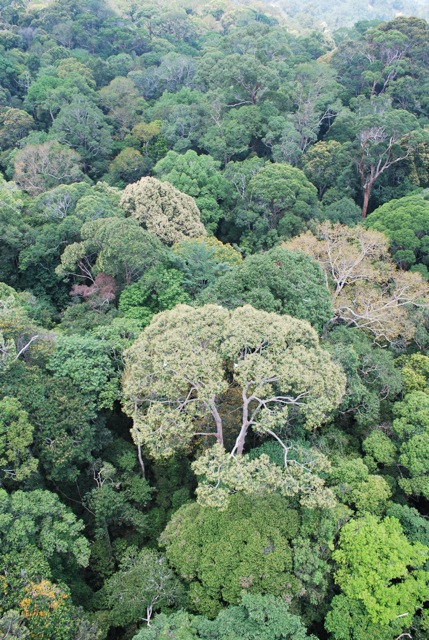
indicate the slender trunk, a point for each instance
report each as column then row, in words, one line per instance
column 148, row 615
column 218, row 422
column 239, row 443
column 24, row 349
column 366, row 195
column 240, row 440
column 139, row 453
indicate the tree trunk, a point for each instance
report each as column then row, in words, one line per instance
column 218, row 422
column 366, row 195
column 139, row 453
column 239, row 443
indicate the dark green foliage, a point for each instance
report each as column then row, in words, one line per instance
column 255, row 618
column 371, row 375
column 14, row 228
column 202, row 261
column 117, row 503
column 406, row 224
column 81, row 126
column 159, row 289
column 343, row 210
column 67, row 430
column 174, row 483
column 80, row 318
column 279, row 281
column 277, row 202
column 86, row 363
column 411, row 428
column 144, row 584
column 221, row 553
column 199, row 177
column 116, row 247
column 415, row 527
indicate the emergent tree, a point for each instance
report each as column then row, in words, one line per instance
column 187, row 364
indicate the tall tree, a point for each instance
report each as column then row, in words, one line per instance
column 80, row 125
column 383, row 137
column 406, row 223
column 163, row 210
column 189, row 360
column 246, row 548
column 44, row 166
column 118, row 247
column 199, row 177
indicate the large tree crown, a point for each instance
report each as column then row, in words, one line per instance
column 187, row 360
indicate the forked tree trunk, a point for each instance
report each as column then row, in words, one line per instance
column 241, row 438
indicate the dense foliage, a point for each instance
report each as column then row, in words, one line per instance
column 214, row 322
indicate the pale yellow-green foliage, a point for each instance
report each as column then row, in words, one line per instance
column 368, row 291
column 222, row 474
column 178, row 353
column 415, row 372
column 146, row 131
column 222, row 252
column 184, row 362
column 163, row 210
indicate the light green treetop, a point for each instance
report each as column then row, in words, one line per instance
column 406, row 223
column 223, row 553
column 188, row 360
column 163, row 210
column 16, row 435
column 377, row 565
column 38, row 518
